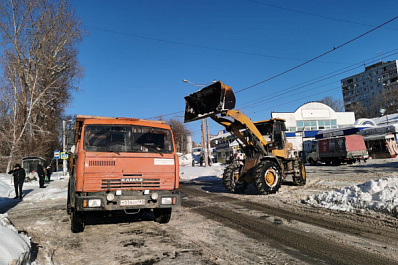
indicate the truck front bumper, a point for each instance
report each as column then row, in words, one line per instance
column 127, row 200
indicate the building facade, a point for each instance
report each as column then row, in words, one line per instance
column 303, row 124
column 315, row 116
column 377, row 83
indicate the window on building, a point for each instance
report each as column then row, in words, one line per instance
column 314, row 125
column 300, row 125
column 321, row 125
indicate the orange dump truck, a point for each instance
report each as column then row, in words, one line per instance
column 121, row 165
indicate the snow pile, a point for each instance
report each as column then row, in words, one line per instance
column 5, row 190
column 377, row 195
column 14, row 247
column 185, row 160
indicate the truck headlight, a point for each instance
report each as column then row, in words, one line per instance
column 167, row 200
column 154, row 196
column 94, row 203
column 110, row 196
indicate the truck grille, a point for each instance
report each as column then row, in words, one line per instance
column 138, row 183
column 101, row 163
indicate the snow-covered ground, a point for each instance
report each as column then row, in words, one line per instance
column 377, row 195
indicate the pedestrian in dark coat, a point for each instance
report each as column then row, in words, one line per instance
column 19, row 178
column 49, row 174
column 42, row 175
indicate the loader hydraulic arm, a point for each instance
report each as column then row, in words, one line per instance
column 241, row 121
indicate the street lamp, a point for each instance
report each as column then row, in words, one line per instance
column 205, row 141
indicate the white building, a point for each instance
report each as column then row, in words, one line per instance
column 315, row 116
column 307, row 120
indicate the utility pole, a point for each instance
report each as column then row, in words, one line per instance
column 204, row 144
column 208, row 140
column 64, row 166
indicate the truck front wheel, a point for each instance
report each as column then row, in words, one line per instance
column 268, row 177
column 77, row 222
column 162, row 215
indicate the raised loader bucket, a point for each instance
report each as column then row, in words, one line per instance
column 212, row 99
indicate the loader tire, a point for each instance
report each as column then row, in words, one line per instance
column 162, row 215
column 77, row 222
column 301, row 179
column 230, row 178
column 231, row 182
column 268, row 177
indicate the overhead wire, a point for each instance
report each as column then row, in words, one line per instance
column 289, row 70
column 320, row 79
column 295, row 100
column 314, row 15
column 201, row 46
column 304, row 84
column 315, row 88
column 317, row 57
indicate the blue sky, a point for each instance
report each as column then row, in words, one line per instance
column 137, row 53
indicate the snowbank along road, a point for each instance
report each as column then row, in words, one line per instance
column 216, row 227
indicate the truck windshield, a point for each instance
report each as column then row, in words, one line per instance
column 127, row 138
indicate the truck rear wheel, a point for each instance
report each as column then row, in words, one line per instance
column 77, row 222
column 268, row 177
column 300, row 179
column 162, row 215
column 230, row 177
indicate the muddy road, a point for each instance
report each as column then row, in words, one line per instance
column 216, row 227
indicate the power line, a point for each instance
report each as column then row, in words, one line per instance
column 295, row 100
column 202, row 46
column 164, row 115
column 320, row 79
column 314, row 15
column 319, row 56
column 304, row 84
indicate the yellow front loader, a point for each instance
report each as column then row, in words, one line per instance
column 268, row 156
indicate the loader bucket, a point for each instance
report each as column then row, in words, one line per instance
column 210, row 100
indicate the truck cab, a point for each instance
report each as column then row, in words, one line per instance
column 313, row 156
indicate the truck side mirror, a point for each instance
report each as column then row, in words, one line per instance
column 70, row 139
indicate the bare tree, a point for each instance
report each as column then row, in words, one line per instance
column 180, row 133
column 40, row 68
column 389, row 99
column 335, row 104
column 360, row 111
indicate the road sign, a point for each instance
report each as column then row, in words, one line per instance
column 64, row 155
column 57, row 154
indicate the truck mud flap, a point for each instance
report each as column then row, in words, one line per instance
column 210, row 100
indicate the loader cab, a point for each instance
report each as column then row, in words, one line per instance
column 279, row 135
column 274, row 130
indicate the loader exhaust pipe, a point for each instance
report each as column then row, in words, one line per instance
column 210, row 100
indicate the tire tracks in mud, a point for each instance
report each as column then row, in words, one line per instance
column 308, row 247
